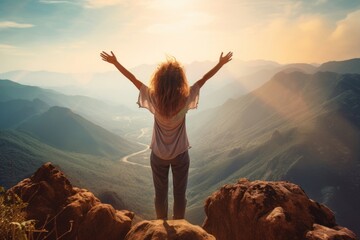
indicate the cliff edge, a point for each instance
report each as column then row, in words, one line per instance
column 242, row 211
column 269, row 210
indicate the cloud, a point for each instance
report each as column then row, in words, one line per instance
column 102, row 3
column 9, row 24
column 86, row 3
column 306, row 38
column 9, row 51
column 7, row 47
column 346, row 36
column 59, row 2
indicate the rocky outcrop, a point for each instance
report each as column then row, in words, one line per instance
column 167, row 229
column 241, row 211
column 69, row 212
column 269, row 210
column 336, row 233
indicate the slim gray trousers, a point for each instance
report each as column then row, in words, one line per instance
column 160, row 171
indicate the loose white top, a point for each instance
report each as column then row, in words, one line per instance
column 169, row 137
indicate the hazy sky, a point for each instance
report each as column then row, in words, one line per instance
column 67, row 35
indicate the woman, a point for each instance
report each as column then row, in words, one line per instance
column 169, row 97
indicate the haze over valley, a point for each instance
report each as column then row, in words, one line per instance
column 296, row 122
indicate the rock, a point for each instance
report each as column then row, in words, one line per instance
column 268, row 210
column 337, row 233
column 112, row 198
column 167, row 229
column 68, row 211
column 241, row 211
column 97, row 226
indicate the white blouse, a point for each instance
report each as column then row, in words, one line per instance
column 169, row 137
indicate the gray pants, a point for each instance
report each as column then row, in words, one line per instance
column 160, row 170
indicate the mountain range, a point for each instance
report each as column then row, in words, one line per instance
column 298, row 122
column 251, row 80
column 65, row 130
column 232, row 81
column 35, row 130
column 300, row 127
column 112, row 117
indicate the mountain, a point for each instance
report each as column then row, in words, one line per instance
column 14, row 112
column 10, row 90
column 112, row 87
column 347, row 66
column 21, row 154
column 300, row 127
column 32, row 132
column 287, row 98
column 63, row 129
column 249, row 82
column 234, row 80
column 116, row 118
column 39, row 78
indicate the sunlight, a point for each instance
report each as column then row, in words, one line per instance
column 168, row 4
column 285, row 32
column 276, row 92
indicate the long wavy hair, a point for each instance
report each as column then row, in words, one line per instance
column 170, row 87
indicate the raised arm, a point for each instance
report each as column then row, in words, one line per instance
column 112, row 59
column 222, row 61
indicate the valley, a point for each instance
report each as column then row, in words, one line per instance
column 295, row 123
column 142, row 154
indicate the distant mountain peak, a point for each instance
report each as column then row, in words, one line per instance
column 62, row 128
column 346, row 66
column 7, row 82
column 58, row 109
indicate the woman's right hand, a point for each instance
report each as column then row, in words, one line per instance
column 108, row 58
column 227, row 58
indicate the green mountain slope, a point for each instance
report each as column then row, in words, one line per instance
column 21, row 154
column 299, row 127
column 88, row 154
column 244, row 84
column 113, row 117
column 14, row 112
column 63, row 129
column 347, row 66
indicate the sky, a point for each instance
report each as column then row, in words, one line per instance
column 68, row 35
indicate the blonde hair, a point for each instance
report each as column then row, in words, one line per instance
column 169, row 87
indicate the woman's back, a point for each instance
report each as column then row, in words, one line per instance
column 169, row 135
column 169, row 98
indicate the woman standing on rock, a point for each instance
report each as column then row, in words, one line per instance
column 169, row 97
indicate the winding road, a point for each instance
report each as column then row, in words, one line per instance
column 126, row 158
column 147, row 147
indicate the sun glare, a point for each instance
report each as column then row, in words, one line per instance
column 166, row 4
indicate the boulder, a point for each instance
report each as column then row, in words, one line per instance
column 268, row 210
column 167, row 229
column 337, row 233
column 69, row 212
column 104, row 222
